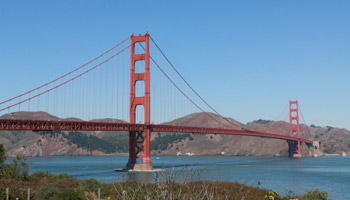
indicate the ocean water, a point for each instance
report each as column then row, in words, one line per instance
column 325, row 173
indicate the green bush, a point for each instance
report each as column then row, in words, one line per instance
column 107, row 190
column 2, row 155
column 91, row 184
column 315, row 194
column 45, row 193
column 272, row 195
column 45, row 176
column 69, row 194
column 69, row 183
column 18, row 170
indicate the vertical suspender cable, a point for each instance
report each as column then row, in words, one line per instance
column 117, row 85
column 112, row 84
column 123, row 90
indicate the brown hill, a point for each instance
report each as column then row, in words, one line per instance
column 30, row 115
column 32, row 143
column 229, row 144
column 333, row 140
column 207, row 120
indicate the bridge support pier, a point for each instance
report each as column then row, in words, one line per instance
column 139, row 144
column 294, row 148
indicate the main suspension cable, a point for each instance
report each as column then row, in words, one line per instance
column 183, row 93
column 71, row 79
column 282, row 113
column 48, row 83
column 190, row 85
column 307, row 127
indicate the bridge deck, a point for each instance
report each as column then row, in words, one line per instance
column 43, row 125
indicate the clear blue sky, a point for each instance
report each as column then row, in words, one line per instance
column 246, row 58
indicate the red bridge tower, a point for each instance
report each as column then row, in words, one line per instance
column 294, row 146
column 139, row 141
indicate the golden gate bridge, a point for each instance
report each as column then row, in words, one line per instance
column 127, row 89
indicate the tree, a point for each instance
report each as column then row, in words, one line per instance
column 18, row 170
column 2, row 155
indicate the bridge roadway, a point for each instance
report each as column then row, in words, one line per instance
column 44, row 125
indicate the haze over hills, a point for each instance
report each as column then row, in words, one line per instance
column 334, row 140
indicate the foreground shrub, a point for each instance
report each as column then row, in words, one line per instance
column 69, row 194
column 167, row 186
column 48, row 177
column 3, row 156
column 272, row 195
column 18, row 170
column 69, row 183
column 315, row 194
column 91, row 184
column 45, row 193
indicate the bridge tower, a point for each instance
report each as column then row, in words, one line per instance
column 139, row 141
column 294, row 146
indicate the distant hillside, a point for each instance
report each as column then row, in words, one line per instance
column 44, row 143
column 334, row 140
column 206, row 120
column 226, row 144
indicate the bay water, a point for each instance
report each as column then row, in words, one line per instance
column 278, row 173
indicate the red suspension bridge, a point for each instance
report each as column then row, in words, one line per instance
column 115, row 87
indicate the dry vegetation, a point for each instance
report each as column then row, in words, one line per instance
column 49, row 186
